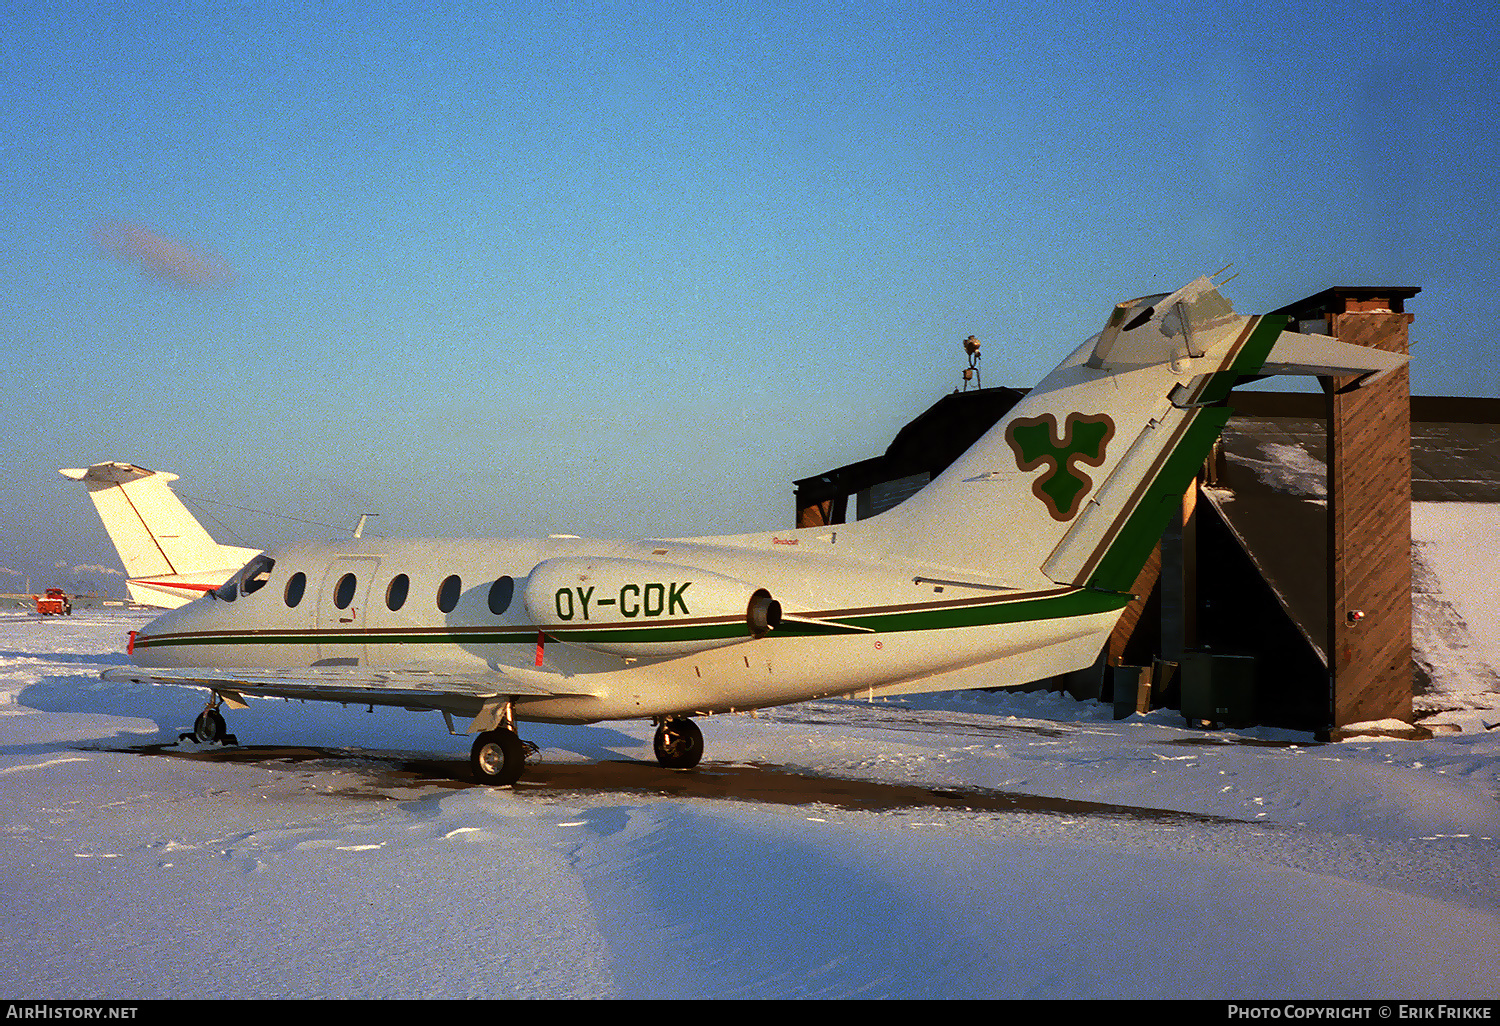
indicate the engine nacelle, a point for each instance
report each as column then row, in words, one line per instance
column 636, row 607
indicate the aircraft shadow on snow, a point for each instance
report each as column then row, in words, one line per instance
column 383, row 775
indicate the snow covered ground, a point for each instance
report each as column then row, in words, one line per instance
column 972, row 845
column 1456, row 601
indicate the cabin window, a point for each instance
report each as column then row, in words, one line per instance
column 448, row 593
column 296, row 585
column 501, row 593
column 396, row 592
column 256, row 573
column 343, row 593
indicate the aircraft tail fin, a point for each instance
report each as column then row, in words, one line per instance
column 167, row 553
column 1077, row 482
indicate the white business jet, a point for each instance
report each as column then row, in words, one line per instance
column 169, row 558
column 1016, row 559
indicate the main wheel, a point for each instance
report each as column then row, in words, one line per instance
column 498, row 756
column 209, row 727
column 679, row 743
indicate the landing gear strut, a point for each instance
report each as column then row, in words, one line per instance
column 679, row 743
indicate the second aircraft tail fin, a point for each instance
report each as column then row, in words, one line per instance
column 169, row 558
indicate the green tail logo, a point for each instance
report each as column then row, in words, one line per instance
column 1037, row 443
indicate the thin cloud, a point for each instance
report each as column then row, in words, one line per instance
column 161, row 257
column 88, row 568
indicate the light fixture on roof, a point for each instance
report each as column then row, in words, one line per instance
column 971, row 372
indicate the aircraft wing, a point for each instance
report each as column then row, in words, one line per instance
column 358, row 685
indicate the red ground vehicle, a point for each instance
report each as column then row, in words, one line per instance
column 54, row 603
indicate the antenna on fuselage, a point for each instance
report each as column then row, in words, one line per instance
column 359, row 529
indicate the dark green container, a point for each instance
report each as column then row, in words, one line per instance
column 1219, row 689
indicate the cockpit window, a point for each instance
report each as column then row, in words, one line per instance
column 256, row 573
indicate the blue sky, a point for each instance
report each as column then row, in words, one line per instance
column 632, row 270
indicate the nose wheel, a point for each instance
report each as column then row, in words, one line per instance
column 209, row 728
column 678, row 742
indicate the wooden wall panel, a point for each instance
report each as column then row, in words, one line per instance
column 1369, row 478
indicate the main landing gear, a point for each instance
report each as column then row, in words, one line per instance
column 498, row 756
column 679, row 742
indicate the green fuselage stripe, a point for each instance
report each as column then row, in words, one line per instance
column 897, row 619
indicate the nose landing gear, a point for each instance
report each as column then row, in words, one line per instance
column 678, row 742
column 209, row 727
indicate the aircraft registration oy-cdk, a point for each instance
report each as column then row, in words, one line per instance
column 1016, row 560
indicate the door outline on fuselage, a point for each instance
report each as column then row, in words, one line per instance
column 352, row 617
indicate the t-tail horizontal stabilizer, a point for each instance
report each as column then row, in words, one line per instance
column 1295, row 353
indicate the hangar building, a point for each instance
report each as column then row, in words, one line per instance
column 1332, row 568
